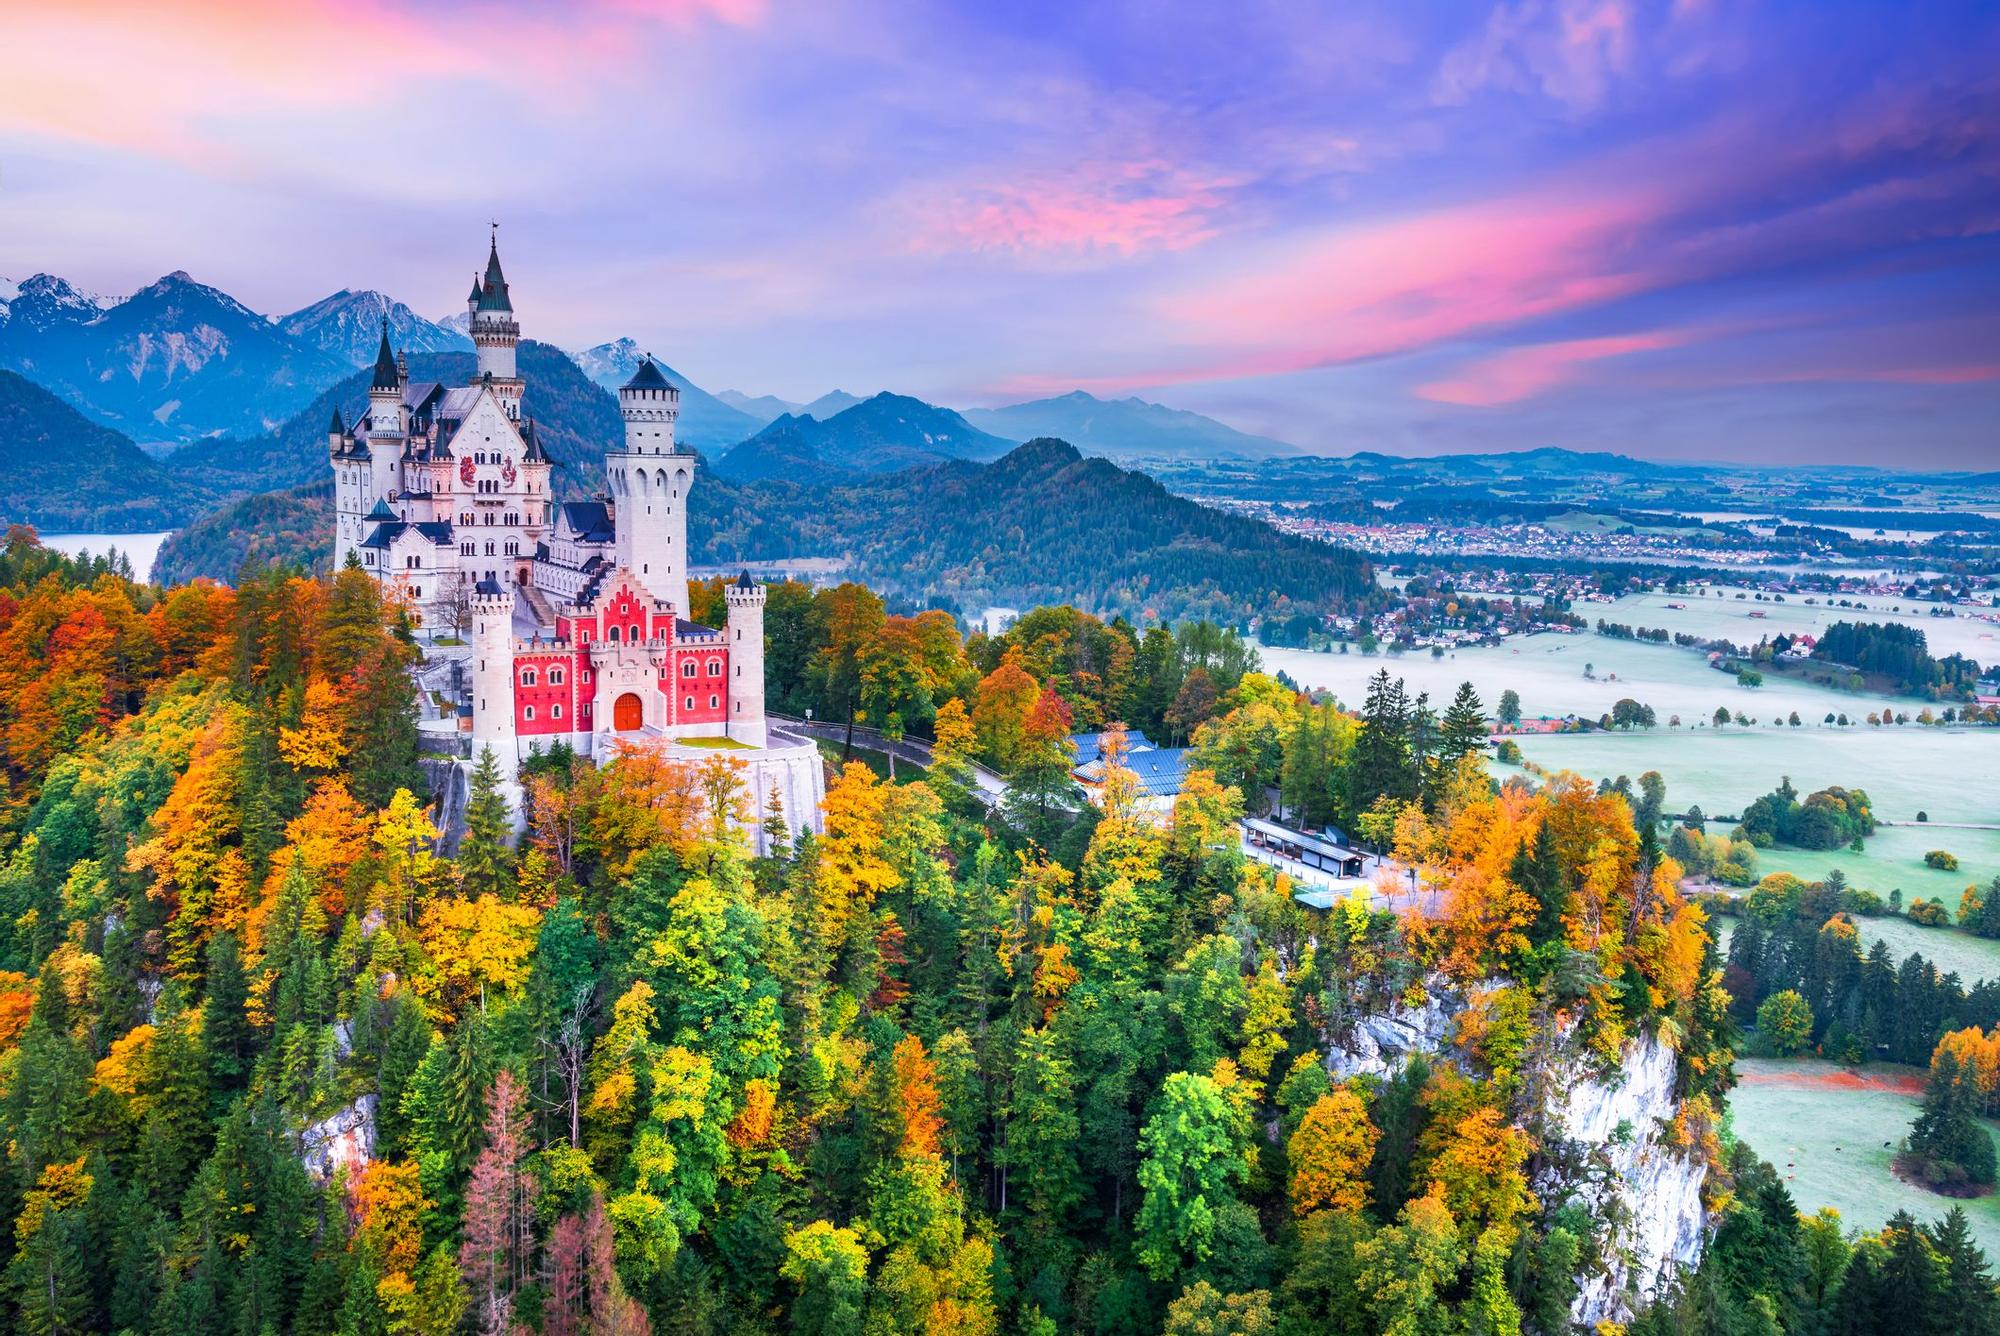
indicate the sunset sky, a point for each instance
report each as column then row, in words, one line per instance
column 1697, row 229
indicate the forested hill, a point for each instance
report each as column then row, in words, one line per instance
column 64, row 471
column 1041, row 524
column 577, row 420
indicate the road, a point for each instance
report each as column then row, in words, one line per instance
column 988, row 785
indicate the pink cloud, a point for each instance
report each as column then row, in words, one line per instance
column 1124, row 208
column 1568, row 50
column 1522, row 373
column 1391, row 286
column 175, row 80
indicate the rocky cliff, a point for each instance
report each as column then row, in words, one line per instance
column 1605, row 1141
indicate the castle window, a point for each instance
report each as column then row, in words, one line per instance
column 690, row 703
column 555, row 677
column 715, row 667
column 687, row 669
column 527, row 677
column 712, row 700
column 555, row 711
column 489, row 549
column 528, row 712
column 513, row 548
column 612, row 631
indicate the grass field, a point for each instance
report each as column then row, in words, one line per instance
column 1893, row 859
column 1824, row 1128
column 1950, row 774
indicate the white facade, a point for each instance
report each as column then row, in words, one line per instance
column 745, row 598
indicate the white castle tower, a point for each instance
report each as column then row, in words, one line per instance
column 746, row 660
column 493, row 671
column 388, row 429
column 495, row 332
column 650, row 481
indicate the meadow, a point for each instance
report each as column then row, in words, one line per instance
column 1824, row 1127
column 1950, row 774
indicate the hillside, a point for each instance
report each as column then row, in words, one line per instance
column 1041, row 524
column 65, row 472
column 1125, row 428
column 294, row 527
column 885, row 434
column 176, row 361
column 706, row 422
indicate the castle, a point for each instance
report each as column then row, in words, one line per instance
column 577, row 610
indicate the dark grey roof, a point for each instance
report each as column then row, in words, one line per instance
column 384, row 534
column 386, row 375
column 533, row 438
column 493, row 290
column 684, row 627
column 488, row 586
column 438, row 531
column 744, row 581
column 590, row 519
column 474, row 297
column 647, row 377
column 381, row 511
column 338, row 428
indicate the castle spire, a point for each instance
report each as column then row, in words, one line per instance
column 493, row 290
column 386, row 376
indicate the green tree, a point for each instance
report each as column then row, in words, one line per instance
column 485, row 862
column 1785, row 1023
column 1510, row 707
column 1192, row 1150
column 1463, row 730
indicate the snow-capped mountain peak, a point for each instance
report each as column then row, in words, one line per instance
column 348, row 325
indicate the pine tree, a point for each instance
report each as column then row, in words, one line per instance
column 485, row 862
column 1947, row 1138
column 1381, row 766
column 1969, row 1293
column 225, row 1026
column 1464, row 729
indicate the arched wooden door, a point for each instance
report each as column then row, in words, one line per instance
column 627, row 714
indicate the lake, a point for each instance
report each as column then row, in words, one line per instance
column 141, row 549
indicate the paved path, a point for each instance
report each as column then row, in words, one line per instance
column 988, row 785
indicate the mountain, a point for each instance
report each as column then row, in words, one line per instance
column 175, row 361
column 67, row 473
column 881, row 435
column 577, row 420
column 1125, row 428
column 830, row 403
column 41, row 303
column 765, row 408
column 1042, row 524
column 706, row 422
column 348, row 325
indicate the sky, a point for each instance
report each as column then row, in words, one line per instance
column 1690, row 229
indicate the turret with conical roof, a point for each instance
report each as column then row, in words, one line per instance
column 386, row 375
column 650, row 479
column 495, row 332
